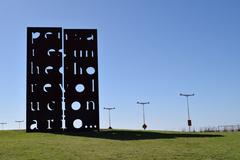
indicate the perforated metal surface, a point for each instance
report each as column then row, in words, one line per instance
column 58, row 102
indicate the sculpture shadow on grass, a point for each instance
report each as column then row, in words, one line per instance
column 140, row 135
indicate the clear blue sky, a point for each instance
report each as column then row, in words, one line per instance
column 149, row 50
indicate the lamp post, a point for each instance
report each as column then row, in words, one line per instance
column 189, row 119
column 19, row 123
column 109, row 115
column 143, row 103
column 3, row 123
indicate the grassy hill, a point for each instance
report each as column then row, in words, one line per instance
column 119, row 144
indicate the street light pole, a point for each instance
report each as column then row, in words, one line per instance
column 3, row 123
column 143, row 103
column 19, row 122
column 109, row 115
column 189, row 119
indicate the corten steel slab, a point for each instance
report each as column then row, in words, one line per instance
column 81, row 79
column 44, row 95
column 48, row 89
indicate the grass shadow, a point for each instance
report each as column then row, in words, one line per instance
column 140, row 135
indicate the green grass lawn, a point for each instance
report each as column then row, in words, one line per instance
column 119, row 144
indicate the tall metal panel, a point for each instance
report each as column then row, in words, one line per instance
column 44, row 94
column 81, row 79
